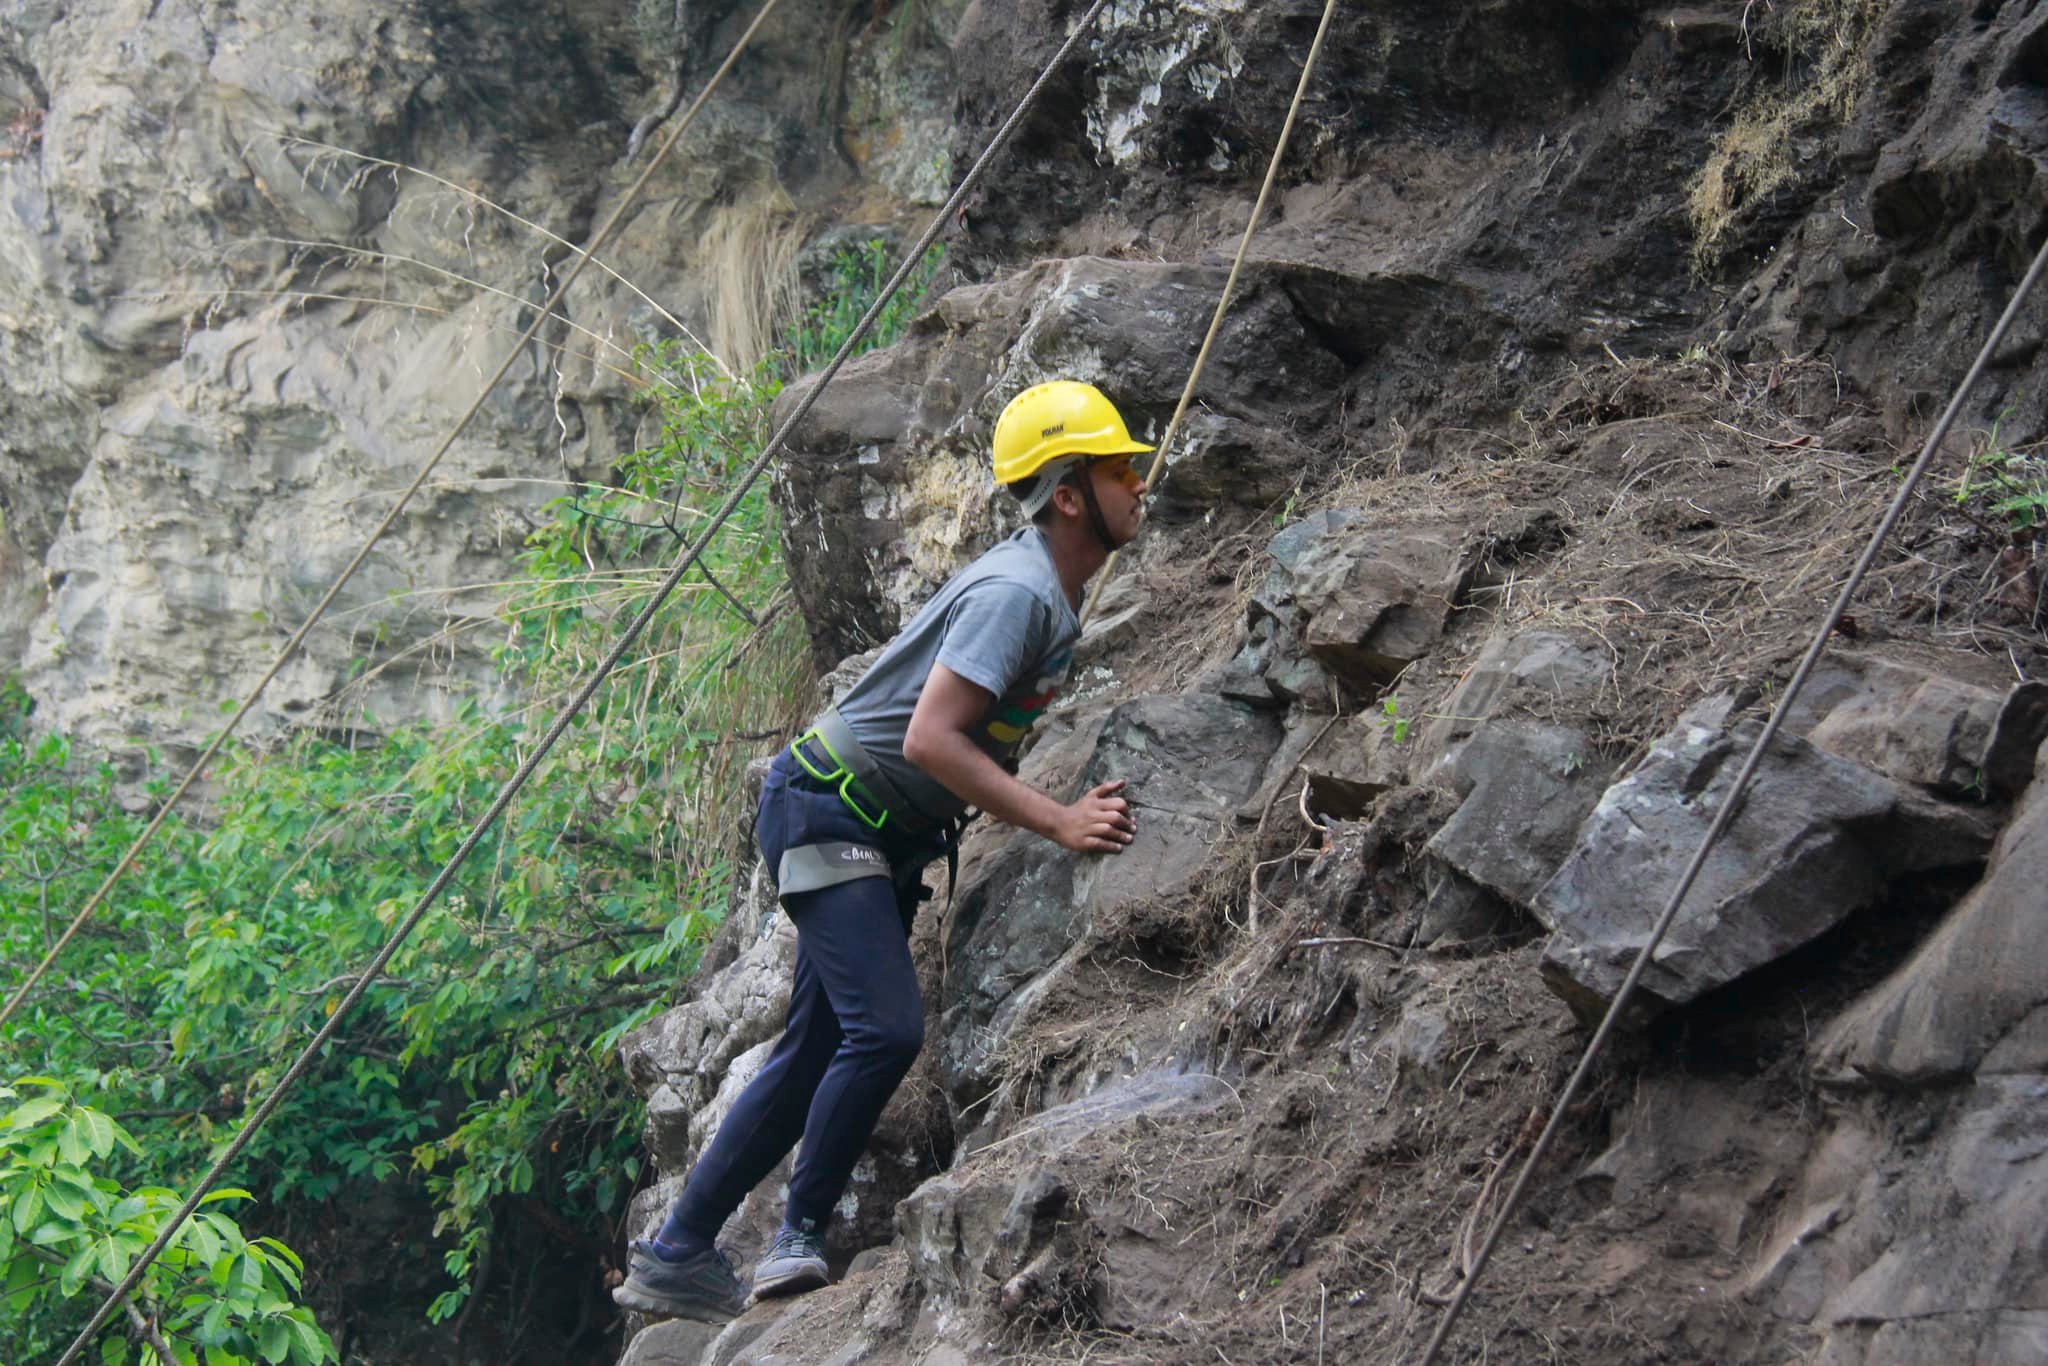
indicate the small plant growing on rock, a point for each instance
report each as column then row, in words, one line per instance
column 2010, row 482
column 1396, row 724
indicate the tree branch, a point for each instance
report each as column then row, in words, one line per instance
column 143, row 1326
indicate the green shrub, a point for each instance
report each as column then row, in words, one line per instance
column 66, row 1228
column 482, row 1065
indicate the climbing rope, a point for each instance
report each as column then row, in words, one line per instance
column 1158, row 470
column 1726, row 815
column 376, row 965
column 546, row 311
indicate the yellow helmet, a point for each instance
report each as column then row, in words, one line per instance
column 1050, row 422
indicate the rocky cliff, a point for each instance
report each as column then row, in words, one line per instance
column 254, row 263
column 1560, row 396
column 1577, row 356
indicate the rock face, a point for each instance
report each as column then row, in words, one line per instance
column 225, row 301
column 234, row 321
column 1241, row 1082
column 1897, row 1258
column 904, row 437
column 1028, row 916
column 1012, row 1224
column 1527, row 775
column 1974, row 1000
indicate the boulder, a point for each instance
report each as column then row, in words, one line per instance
column 2010, row 761
column 1511, row 741
column 1974, row 998
column 1353, row 762
column 1917, row 726
column 672, row 1342
column 1817, row 838
column 1025, row 907
column 1528, row 787
column 1548, row 676
column 1377, row 601
column 1223, row 461
column 1007, row 1220
column 1347, row 600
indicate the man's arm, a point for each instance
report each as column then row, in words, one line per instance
column 939, row 742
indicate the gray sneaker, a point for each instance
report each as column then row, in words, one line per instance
column 795, row 1263
column 703, row 1287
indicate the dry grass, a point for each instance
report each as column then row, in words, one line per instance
column 1822, row 51
column 750, row 252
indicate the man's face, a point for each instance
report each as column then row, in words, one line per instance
column 1121, row 492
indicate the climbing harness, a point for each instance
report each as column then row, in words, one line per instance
column 1726, row 815
column 861, row 782
column 118, row 1296
column 874, row 799
column 1156, row 475
column 518, row 349
column 872, row 813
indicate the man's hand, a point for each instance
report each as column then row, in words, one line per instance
column 1098, row 823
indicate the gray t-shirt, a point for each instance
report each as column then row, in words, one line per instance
column 1003, row 623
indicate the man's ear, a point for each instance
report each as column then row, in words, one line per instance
column 1066, row 500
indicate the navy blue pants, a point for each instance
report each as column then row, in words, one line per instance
column 855, row 1023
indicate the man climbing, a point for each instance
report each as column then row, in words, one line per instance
column 852, row 812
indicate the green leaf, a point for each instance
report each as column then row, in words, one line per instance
column 51, row 1232
column 64, row 1201
column 298, row 1262
column 30, row 1113
column 204, row 1242
column 309, row 1344
column 99, row 1131
column 27, row 1207
column 76, row 1270
column 274, row 1339
column 72, row 1144
column 113, row 1260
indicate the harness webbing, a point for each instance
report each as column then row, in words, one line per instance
column 291, row 647
column 377, row 964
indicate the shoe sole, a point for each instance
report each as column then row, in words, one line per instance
column 799, row 1278
column 626, row 1297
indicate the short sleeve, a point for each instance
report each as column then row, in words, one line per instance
column 993, row 634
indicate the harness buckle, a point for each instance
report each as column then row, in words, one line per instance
column 841, row 777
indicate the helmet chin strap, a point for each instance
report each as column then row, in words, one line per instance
column 1100, row 524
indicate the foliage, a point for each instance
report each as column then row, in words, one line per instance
column 481, row 1066
column 66, row 1227
column 2011, row 483
column 858, row 277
